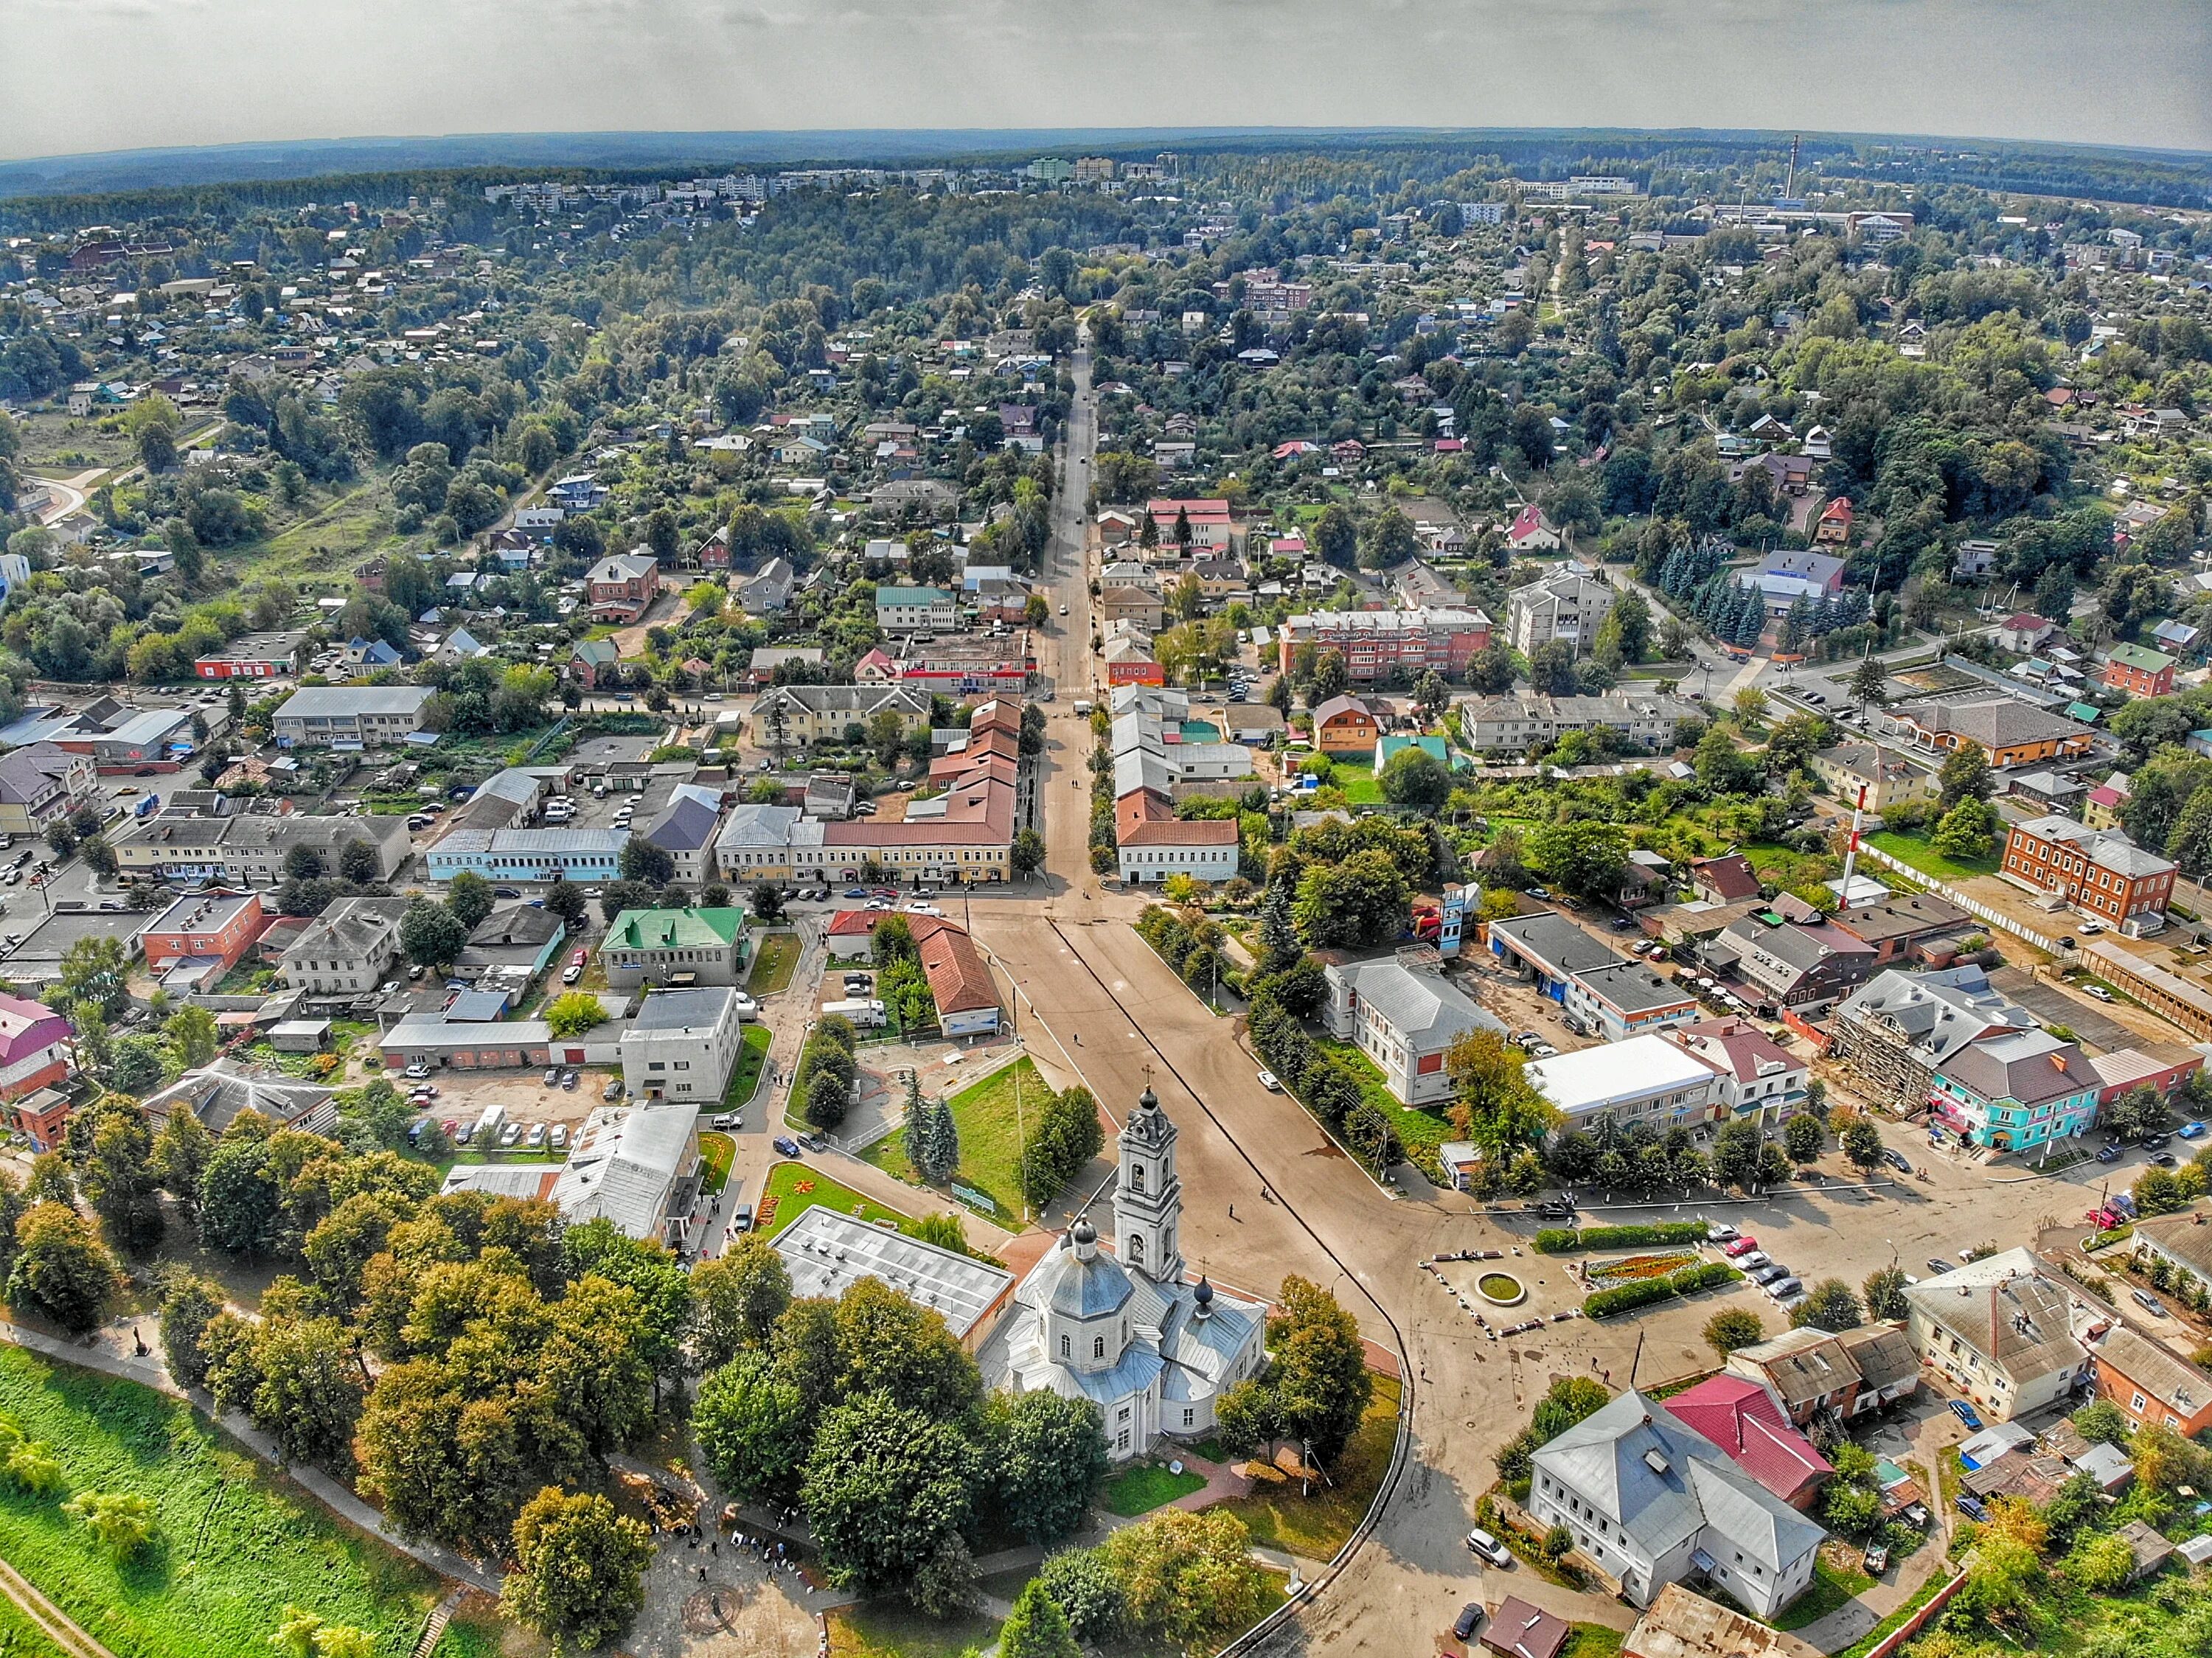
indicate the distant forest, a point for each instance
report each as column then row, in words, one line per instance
column 1306, row 166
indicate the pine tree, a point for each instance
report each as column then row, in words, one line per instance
column 917, row 1124
column 944, row 1142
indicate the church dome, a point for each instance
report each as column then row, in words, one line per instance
column 1086, row 1284
column 1148, row 1101
column 1203, row 1295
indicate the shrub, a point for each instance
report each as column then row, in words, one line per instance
column 1558, row 1240
column 1688, row 1281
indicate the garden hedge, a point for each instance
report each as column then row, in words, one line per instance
column 1688, row 1281
column 1558, row 1240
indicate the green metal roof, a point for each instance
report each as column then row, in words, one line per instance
column 675, row 929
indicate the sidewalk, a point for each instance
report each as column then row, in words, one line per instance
column 151, row 1372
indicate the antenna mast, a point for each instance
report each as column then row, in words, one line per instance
column 1851, row 851
column 1789, row 189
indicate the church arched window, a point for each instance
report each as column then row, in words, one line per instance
column 1136, row 1248
column 1137, row 1178
column 1066, row 1347
column 1098, row 1347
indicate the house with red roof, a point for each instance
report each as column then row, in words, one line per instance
column 959, row 980
column 1532, row 532
column 1724, row 880
column 1155, row 844
column 1833, row 528
column 1737, row 1415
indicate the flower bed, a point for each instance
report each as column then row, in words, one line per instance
column 1631, row 1269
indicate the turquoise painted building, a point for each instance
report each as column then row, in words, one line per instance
column 2014, row 1092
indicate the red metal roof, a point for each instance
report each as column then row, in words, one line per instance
column 1740, row 1418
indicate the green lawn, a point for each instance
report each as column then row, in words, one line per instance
column 1148, row 1486
column 773, row 963
column 887, row 1630
column 990, row 1137
column 1315, row 1528
column 1421, row 1130
column 1357, row 778
column 233, row 1544
column 752, row 1059
column 717, row 1152
column 1914, row 851
column 1593, row 1640
column 783, row 1202
column 1831, row 1587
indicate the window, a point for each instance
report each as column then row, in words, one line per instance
column 1098, row 1347
column 2136, row 1403
column 1065, row 1345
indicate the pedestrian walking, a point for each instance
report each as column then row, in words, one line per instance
column 1233, row 1212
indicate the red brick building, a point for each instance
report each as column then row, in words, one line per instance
column 1375, row 643
column 206, row 928
column 2101, row 872
column 2139, row 671
column 619, row 589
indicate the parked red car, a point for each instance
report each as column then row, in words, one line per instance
column 579, row 959
column 1742, row 1245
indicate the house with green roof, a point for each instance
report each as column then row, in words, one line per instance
column 594, row 661
column 911, row 610
column 1433, row 746
column 675, row 947
column 2139, row 671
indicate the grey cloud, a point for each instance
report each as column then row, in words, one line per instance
column 114, row 74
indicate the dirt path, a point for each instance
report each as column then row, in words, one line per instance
column 51, row 1620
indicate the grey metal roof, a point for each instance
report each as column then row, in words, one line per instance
column 2030, row 1067
column 701, row 1009
column 2005, row 1309
column 687, row 825
column 825, row 1252
column 1415, row 1003
column 1663, row 1483
column 345, row 701
column 1083, row 1289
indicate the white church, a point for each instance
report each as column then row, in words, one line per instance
column 1125, row 1330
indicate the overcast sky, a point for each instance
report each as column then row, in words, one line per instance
column 93, row 75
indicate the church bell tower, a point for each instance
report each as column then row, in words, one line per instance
column 1148, row 1202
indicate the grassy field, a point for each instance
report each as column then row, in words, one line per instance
column 1148, row 1486
column 1357, row 778
column 1315, row 1527
column 745, row 1076
column 333, row 536
column 990, row 1136
column 887, row 1631
column 1915, row 851
column 783, row 1201
column 773, row 963
column 233, row 1546
column 21, row 1638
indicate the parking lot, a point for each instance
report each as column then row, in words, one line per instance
column 463, row 1097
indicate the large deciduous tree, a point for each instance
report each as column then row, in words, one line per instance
column 579, row 1571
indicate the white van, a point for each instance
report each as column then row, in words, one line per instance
column 1083, row 708
column 863, row 1014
